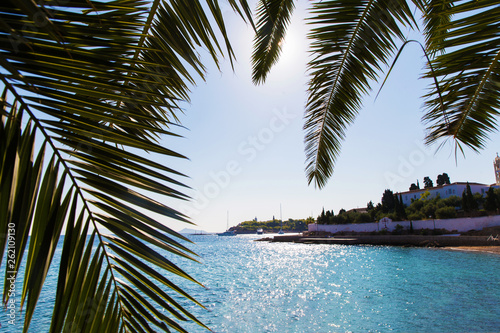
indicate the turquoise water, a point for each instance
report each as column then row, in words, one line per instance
column 285, row 287
column 282, row 287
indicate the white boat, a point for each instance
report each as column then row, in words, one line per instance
column 227, row 232
column 260, row 231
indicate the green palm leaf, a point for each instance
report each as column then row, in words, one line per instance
column 99, row 83
column 273, row 19
column 350, row 41
column 468, row 69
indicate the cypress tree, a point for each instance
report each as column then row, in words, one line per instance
column 465, row 205
column 322, row 217
column 327, row 217
column 402, row 208
column 397, row 206
column 490, row 203
column 471, row 202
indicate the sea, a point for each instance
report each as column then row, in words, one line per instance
column 251, row 286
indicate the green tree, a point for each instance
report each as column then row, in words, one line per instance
column 425, row 207
column 429, row 209
column 428, row 182
column 99, row 84
column 446, row 213
column 351, row 41
column 328, row 217
column 490, row 202
column 372, row 210
column 414, row 208
column 400, row 210
column 471, row 200
column 414, row 187
column 479, row 200
column 443, row 179
column 321, row 217
column 388, row 201
column 469, row 203
column 497, row 194
column 465, row 202
column 362, row 218
column 452, row 201
column 397, row 207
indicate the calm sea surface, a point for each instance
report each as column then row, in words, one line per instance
column 285, row 287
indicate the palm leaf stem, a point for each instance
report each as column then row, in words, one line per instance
column 333, row 88
column 434, row 77
column 346, row 55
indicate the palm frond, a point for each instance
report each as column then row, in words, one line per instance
column 351, row 40
column 273, row 19
column 20, row 177
column 436, row 16
column 99, row 83
column 242, row 8
column 468, row 70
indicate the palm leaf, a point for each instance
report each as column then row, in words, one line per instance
column 351, row 40
column 99, row 83
column 436, row 15
column 273, row 19
column 19, row 183
column 467, row 66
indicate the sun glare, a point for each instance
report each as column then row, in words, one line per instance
column 293, row 50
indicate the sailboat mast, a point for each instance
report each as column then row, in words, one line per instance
column 281, row 220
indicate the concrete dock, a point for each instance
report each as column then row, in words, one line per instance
column 394, row 240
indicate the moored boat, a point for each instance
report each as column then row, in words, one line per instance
column 227, row 233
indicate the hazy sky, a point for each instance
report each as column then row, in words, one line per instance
column 246, row 149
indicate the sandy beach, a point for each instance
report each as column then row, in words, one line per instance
column 485, row 249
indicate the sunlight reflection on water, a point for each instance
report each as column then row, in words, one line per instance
column 285, row 287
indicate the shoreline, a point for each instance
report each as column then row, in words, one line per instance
column 457, row 243
column 495, row 249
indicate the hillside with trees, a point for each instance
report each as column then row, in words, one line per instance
column 272, row 226
column 391, row 205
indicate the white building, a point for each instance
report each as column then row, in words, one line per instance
column 444, row 191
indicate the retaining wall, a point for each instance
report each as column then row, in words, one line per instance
column 460, row 225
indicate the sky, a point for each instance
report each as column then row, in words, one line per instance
column 245, row 143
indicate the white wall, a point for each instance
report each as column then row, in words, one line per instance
column 460, row 225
